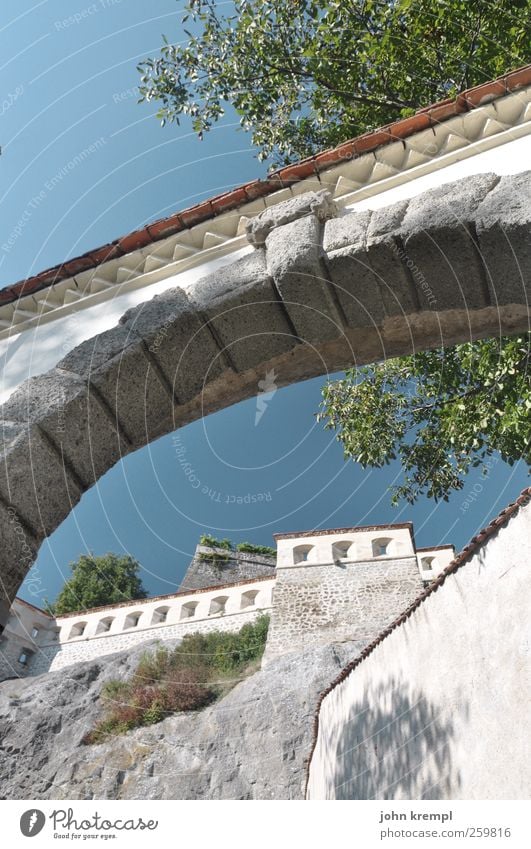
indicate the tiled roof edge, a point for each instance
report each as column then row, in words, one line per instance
column 475, row 543
column 329, row 531
column 286, row 176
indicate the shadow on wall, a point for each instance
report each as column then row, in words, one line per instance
column 396, row 745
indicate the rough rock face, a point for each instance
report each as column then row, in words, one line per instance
column 250, row 745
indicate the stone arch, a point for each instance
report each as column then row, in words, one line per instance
column 315, row 296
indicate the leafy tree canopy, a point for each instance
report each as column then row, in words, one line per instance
column 304, row 75
column 97, row 581
column 440, row 412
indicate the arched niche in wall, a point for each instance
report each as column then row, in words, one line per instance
column 303, row 553
column 160, row 615
column 383, row 547
column 132, row 619
column 248, row 599
column 188, row 610
column 104, row 625
column 343, row 549
column 77, row 630
column 218, row 605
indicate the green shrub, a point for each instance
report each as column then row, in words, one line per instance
column 213, row 542
column 199, row 670
column 251, row 548
column 246, row 547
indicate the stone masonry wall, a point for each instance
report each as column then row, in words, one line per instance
column 242, row 566
column 51, row 658
column 327, row 603
column 9, row 654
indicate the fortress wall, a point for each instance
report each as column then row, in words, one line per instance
column 320, row 604
column 9, row 654
column 52, row 658
column 436, row 710
column 204, row 571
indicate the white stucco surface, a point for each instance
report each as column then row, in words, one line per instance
column 440, row 708
column 326, row 548
column 39, row 348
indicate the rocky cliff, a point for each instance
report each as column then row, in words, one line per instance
column 250, row 745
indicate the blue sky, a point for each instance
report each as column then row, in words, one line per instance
column 69, row 78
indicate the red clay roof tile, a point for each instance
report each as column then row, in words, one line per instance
column 368, row 142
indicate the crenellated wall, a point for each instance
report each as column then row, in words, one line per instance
column 46, row 644
column 341, row 584
column 52, row 658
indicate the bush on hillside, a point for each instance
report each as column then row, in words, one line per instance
column 201, row 669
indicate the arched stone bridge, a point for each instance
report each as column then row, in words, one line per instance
column 318, row 294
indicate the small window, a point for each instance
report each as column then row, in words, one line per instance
column 248, row 599
column 428, row 563
column 132, row 619
column 160, row 615
column 77, row 630
column 303, row 553
column 34, row 633
column 104, row 625
column 217, row 605
column 380, row 547
column 188, row 609
column 343, row 550
column 25, row 657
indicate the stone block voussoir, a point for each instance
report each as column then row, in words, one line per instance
column 61, row 405
column 356, row 286
column 318, row 204
column 34, row 479
column 503, row 224
column 384, row 254
column 18, row 550
column 440, row 249
column 295, row 259
column 244, row 312
column 179, row 340
column 136, row 396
